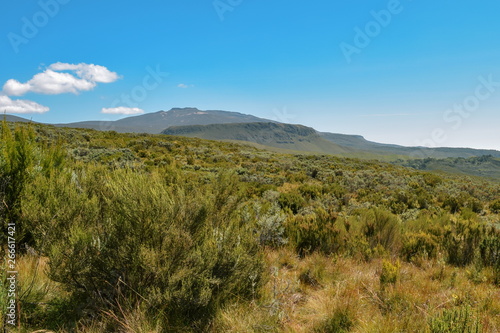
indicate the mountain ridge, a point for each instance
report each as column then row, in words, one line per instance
column 220, row 125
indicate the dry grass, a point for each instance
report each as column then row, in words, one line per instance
column 292, row 304
column 301, row 295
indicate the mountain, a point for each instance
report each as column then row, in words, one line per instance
column 276, row 135
column 156, row 122
column 225, row 125
column 16, row 119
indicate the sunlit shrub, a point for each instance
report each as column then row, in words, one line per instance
column 314, row 231
column 419, row 244
column 459, row 320
column 461, row 240
column 390, row 272
column 184, row 250
column 380, row 227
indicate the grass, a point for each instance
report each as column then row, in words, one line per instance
column 349, row 296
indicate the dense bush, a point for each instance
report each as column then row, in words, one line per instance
column 381, row 228
column 490, row 252
column 419, row 244
column 459, row 320
column 461, row 240
column 181, row 249
column 314, row 231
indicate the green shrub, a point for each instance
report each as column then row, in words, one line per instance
column 381, row 228
column 489, row 249
column 389, row 273
column 181, row 249
column 17, row 158
column 495, row 206
column 419, row 244
column 461, row 240
column 340, row 321
column 292, row 201
column 314, row 231
column 460, row 320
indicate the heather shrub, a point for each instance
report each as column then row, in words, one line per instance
column 461, row 240
column 458, row 320
column 381, row 228
column 314, row 231
column 180, row 249
column 419, row 244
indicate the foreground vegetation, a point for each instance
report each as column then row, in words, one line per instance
column 153, row 233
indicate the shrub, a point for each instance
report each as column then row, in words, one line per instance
column 270, row 227
column 17, row 158
column 489, row 249
column 292, row 201
column 181, row 249
column 389, row 273
column 419, row 244
column 495, row 206
column 460, row 320
column 339, row 321
column 314, row 231
column 381, row 228
column 461, row 240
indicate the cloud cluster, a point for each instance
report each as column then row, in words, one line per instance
column 122, row 110
column 20, row 106
column 58, row 78
column 54, row 81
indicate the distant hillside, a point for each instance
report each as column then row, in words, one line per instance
column 15, row 119
column 484, row 166
column 282, row 136
column 358, row 142
column 156, row 122
column 291, row 138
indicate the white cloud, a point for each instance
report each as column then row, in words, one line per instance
column 9, row 105
column 184, row 86
column 89, row 72
column 52, row 81
column 122, row 110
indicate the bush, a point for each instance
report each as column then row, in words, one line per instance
column 460, row 320
column 381, row 228
column 315, row 231
column 495, row 206
column 17, row 156
column 461, row 240
column 181, row 249
column 419, row 244
column 270, row 227
column 389, row 273
column 340, row 321
column 490, row 252
column 292, row 201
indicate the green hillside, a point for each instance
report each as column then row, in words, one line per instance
column 359, row 143
column 281, row 136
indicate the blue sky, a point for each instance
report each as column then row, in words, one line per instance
column 405, row 72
